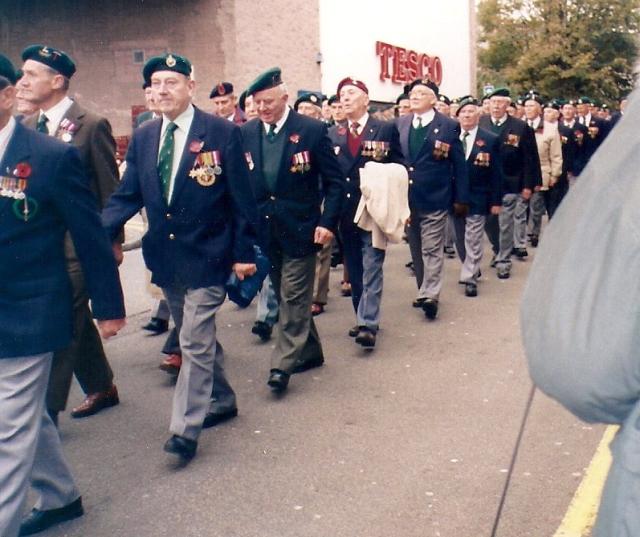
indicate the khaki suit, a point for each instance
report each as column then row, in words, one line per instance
column 85, row 356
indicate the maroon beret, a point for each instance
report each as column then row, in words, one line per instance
column 349, row 81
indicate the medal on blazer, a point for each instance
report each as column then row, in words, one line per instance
column 13, row 185
column 441, row 150
column 301, row 162
column 66, row 130
column 249, row 159
column 206, row 167
column 593, row 131
column 513, row 140
column 482, row 159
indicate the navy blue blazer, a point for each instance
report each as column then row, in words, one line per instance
column 485, row 173
column 577, row 135
column 290, row 214
column 597, row 131
column 194, row 240
column 35, row 292
column 518, row 154
column 436, row 179
column 375, row 130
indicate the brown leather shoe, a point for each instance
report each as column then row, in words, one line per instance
column 95, row 402
column 345, row 289
column 317, row 308
column 172, row 364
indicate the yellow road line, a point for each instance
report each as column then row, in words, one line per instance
column 581, row 514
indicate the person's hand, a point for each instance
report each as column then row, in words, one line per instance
column 117, row 253
column 322, row 235
column 526, row 194
column 461, row 209
column 495, row 209
column 244, row 270
column 110, row 327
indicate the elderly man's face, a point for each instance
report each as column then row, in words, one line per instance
column 422, row 99
column 38, row 83
column 224, row 105
column 583, row 109
column 271, row 104
column 531, row 109
column 337, row 112
column 498, row 105
column 404, row 107
column 354, row 102
column 551, row 115
column 7, row 100
column 568, row 112
column 173, row 92
column 250, row 110
column 310, row 109
column 468, row 117
column 443, row 108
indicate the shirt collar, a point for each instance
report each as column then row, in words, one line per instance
column 183, row 121
column 426, row 117
column 5, row 135
column 278, row 123
column 500, row 120
column 472, row 132
column 361, row 122
column 56, row 113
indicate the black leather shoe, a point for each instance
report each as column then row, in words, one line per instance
column 504, row 273
column 38, row 521
column 214, row 418
column 534, row 241
column 309, row 364
column 354, row 331
column 430, row 308
column 181, row 446
column 493, row 261
column 450, row 252
column 278, row 380
column 417, row 303
column 366, row 338
column 262, row 329
column 470, row 289
column 520, row 253
column 157, row 326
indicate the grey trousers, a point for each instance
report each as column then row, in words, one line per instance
column 513, row 227
column 619, row 512
column 30, row 449
column 426, row 243
column 297, row 339
column 323, row 270
column 469, row 244
column 162, row 311
column 368, row 313
column 537, row 209
column 267, row 304
column 201, row 386
column 449, row 233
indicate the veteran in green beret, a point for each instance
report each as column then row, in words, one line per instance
column 47, row 73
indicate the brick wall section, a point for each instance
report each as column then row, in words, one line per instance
column 225, row 39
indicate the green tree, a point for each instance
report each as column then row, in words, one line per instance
column 562, row 48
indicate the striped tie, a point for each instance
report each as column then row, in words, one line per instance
column 42, row 124
column 165, row 159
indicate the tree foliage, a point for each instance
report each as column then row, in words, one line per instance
column 562, row 48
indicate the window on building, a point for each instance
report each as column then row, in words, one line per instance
column 138, row 56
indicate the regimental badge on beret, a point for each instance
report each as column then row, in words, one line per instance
column 313, row 99
column 44, row 52
column 56, row 59
column 425, row 82
column 170, row 61
column 221, row 89
column 269, row 79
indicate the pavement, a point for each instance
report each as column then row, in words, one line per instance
column 412, row 439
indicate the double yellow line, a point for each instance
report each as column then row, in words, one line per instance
column 581, row 515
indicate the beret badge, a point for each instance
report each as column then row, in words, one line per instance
column 170, row 61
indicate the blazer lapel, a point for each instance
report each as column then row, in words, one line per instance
column 74, row 114
column 251, row 134
column 196, row 134
column 290, row 146
column 345, row 157
column 404, row 127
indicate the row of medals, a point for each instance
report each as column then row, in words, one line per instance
column 11, row 187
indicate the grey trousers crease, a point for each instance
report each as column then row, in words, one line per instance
column 162, row 311
column 449, row 233
column 426, row 243
column 297, row 339
column 618, row 514
column 172, row 343
column 513, row 223
column 201, row 386
column 323, row 270
column 84, row 356
column 537, row 209
column 469, row 233
column 368, row 313
column 30, row 448
column 492, row 228
column 267, row 304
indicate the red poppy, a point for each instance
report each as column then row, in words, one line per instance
column 295, row 138
column 196, row 146
column 23, row 170
column 342, row 131
column 480, row 143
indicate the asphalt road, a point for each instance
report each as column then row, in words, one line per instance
column 410, row 440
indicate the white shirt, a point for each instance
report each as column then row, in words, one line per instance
column 183, row 121
column 56, row 113
column 5, row 136
column 585, row 120
column 534, row 123
column 426, row 117
column 361, row 123
column 500, row 121
column 279, row 123
column 470, row 140
column 570, row 124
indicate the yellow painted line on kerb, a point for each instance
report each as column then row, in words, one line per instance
column 581, row 515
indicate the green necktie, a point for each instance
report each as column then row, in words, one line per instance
column 271, row 133
column 42, row 124
column 165, row 159
column 465, row 134
column 419, row 122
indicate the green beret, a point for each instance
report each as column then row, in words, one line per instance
column 466, row 101
column 269, row 79
column 334, row 99
column 425, row 82
column 307, row 98
column 499, row 92
column 444, row 99
column 583, row 100
column 51, row 57
column 555, row 104
column 242, row 100
column 7, row 71
column 533, row 96
column 402, row 97
column 167, row 62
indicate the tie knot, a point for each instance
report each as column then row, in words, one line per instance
column 42, row 124
column 171, row 127
column 465, row 134
column 354, row 128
